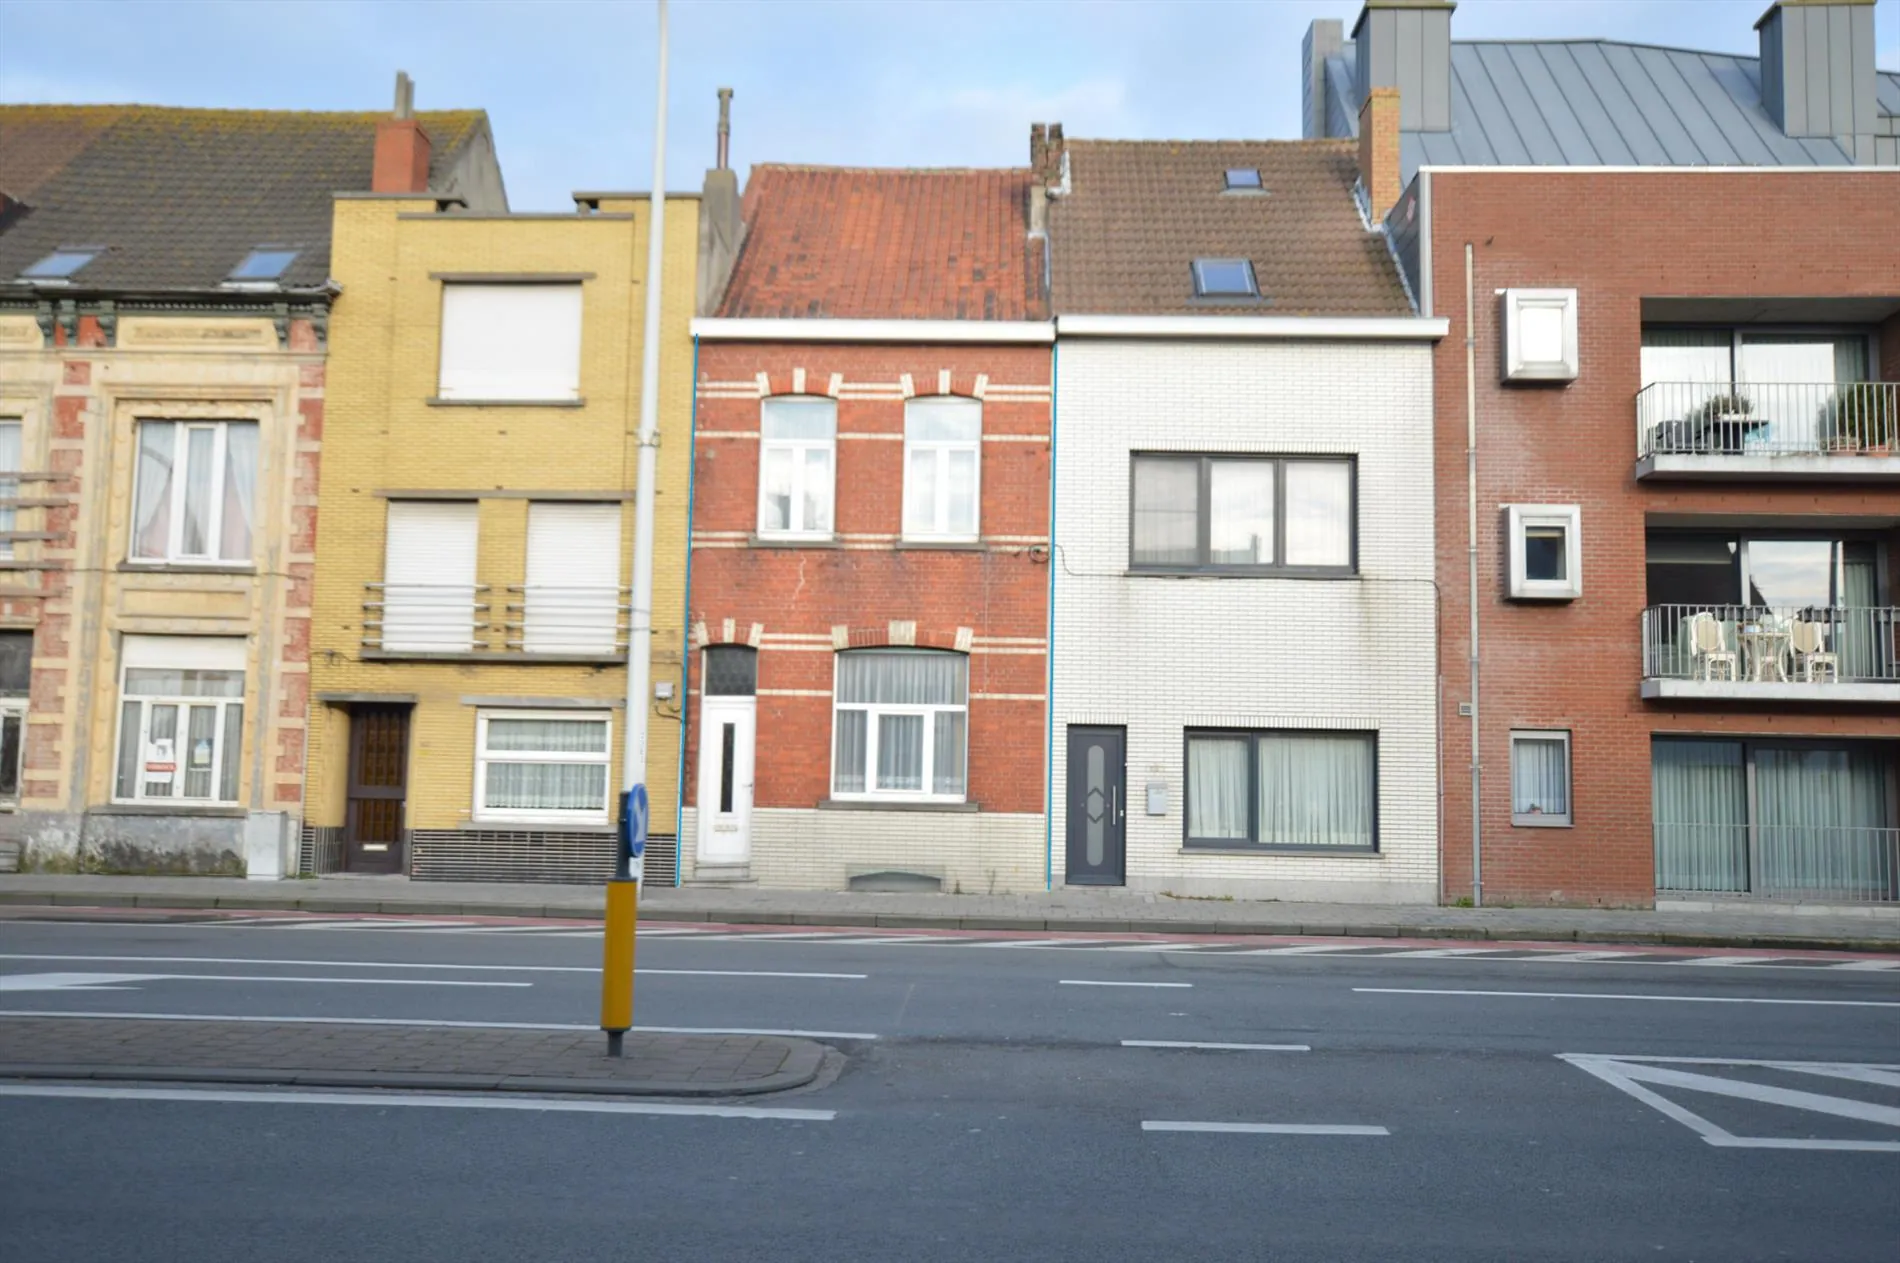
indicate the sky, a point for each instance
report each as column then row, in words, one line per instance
column 569, row 84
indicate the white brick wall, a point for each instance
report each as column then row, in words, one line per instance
column 1164, row 654
column 971, row 852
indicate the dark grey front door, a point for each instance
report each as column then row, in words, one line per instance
column 1098, row 806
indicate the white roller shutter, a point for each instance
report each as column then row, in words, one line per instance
column 429, row 594
column 573, row 593
column 511, row 342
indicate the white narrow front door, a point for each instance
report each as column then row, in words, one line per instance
column 725, row 779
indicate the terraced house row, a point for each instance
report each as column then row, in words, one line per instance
column 1493, row 493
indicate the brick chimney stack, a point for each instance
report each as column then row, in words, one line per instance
column 402, row 147
column 1379, row 150
column 1046, row 152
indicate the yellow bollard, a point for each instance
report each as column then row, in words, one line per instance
column 616, row 965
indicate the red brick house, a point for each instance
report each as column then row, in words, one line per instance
column 870, row 565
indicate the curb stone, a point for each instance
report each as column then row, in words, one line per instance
column 783, row 1081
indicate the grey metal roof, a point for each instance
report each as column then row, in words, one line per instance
column 1601, row 103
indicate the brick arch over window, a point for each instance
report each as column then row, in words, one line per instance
column 901, row 634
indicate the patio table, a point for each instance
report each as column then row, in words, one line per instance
column 1764, row 647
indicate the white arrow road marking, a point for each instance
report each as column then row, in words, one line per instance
column 65, row 982
column 1271, row 1129
column 385, row 1100
column 1606, row 995
column 39, row 982
column 402, row 1021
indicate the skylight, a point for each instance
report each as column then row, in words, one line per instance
column 266, row 263
column 1224, row 278
column 60, row 264
column 1247, row 178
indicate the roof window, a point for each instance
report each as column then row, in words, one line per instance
column 266, row 263
column 61, row 264
column 1244, row 180
column 1224, row 278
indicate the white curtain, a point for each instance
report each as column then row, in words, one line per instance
column 1316, row 789
column 200, row 448
column 1822, row 820
column 903, row 677
column 900, row 752
column 817, row 489
column 799, row 417
column 548, row 736
column 1540, row 776
column 1864, row 628
column 1240, row 524
column 920, row 490
column 546, row 787
column 775, row 482
column 10, row 457
column 947, row 766
column 240, row 490
column 943, row 419
column 1699, row 794
column 1167, row 516
column 1318, row 513
column 152, row 511
column 1217, row 786
column 848, row 774
column 960, row 493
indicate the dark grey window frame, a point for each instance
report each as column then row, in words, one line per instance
column 1200, row 280
column 1204, row 519
column 1258, row 185
column 1251, row 847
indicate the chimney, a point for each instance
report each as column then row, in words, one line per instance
column 1379, row 151
column 1046, row 153
column 402, row 147
column 1817, row 71
column 1406, row 44
column 721, row 217
column 720, row 162
column 1324, row 38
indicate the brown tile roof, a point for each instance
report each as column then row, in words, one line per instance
column 862, row 244
column 180, row 196
column 1138, row 213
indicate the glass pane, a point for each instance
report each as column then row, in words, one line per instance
column 1823, row 813
column 798, row 417
column 240, row 491
column 16, row 662
column 1316, row 789
column 166, row 682
column 1544, row 553
column 1167, row 496
column 943, row 419
column 152, row 514
column 900, row 752
column 775, row 489
column 817, row 490
column 947, row 765
column 920, row 491
column 263, row 265
column 548, row 736
column 161, row 753
column 960, row 498
column 728, row 743
column 195, row 541
column 1224, row 277
column 546, row 787
column 848, row 763
column 201, row 740
column 130, row 716
column 233, row 750
column 1786, row 574
column 1699, row 794
column 1693, row 569
column 1540, row 333
column 9, row 487
column 1318, row 513
column 11, row 723
column 732, row 671
column 1217, row 787
column 1243, row 177
column 1240, row 498
column 1540, row 777
column 903, row 677
column 1687, row 355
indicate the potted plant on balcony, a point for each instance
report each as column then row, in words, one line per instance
column 1722, row 420
column 1861, row 422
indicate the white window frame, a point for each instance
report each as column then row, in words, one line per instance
column 175, row 554
column 873, row 711
column 1544, row 819
column 1517, row 365
column 483, row 757
column 13, row 709
column 798, row 448
column 939, row 530
column 10, row 488
column 206, row 654
column 1567, row 517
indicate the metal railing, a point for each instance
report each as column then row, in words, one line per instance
column 1817, row 863
column 424, row 617
column 548, row 618
column 431, row 618
column 1768, row 419
column 1743, row 644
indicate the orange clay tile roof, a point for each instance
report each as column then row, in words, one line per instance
column 1138, row 213
column 868, row 244
column 179, row 196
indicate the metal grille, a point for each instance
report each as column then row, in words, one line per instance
column 321, row 851
column 527, row 856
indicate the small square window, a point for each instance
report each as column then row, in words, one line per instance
column 266, row 263
column 61, row 264
column 1244, row 178
column 1540, row 335
column 1224, row 278
column 1540, row 779
column 1546, row 551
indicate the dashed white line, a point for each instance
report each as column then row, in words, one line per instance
column 1092, row 982
column 1269, row 1129
column 443, row 1022
column 385, row 1100
column 1607, row 995
column 425, row 965
column 1188, row 1043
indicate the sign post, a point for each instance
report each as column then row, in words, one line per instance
column 623, row 916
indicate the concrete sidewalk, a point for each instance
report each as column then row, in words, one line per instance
column 374, row 1055
column 1874, row 928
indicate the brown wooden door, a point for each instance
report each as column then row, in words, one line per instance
column 379, row 778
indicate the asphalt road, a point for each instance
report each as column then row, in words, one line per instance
column 1443, row 1107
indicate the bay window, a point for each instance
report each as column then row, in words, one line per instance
column 1265, row 515
column 181, row 720
column 195, row 494
column 943, row 441
column 798, row 439
column 901, row 725
column 543, row 767
column 1295, row 791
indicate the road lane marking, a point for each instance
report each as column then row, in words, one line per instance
column 38, row 982
column 1605, row 995
column 429, row 1022
column 1269, row 1129
column 1443, row 951
column 1090, row 982
column 67, row 982
column 1188, row 1043
column 1868, row 964
column 384, row 1100
column 397, row 964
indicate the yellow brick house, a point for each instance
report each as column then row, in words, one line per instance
column 475, row 536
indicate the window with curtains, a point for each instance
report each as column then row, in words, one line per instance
column 195, row 492
column 943, row 441
column 901, row 721
column 543, row 767
column 11, row 454
column 1540, row 778
column 1255, row 514
column 1290, row 790
column 181, row 730
column 798, row 441
column 511, row 343
column 16, row 679
column 1807, row 819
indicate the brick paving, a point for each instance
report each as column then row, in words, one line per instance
column 364, row 1055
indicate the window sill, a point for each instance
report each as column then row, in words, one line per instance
column 1235, row 572
column 1541, row 822
column 793, row 541
column 1254, row 848
column 544, row 824
column 436, row 401
column 186, row 567
column 942, row 545
column 492, row 656
column 221, row 810
column 883, row 804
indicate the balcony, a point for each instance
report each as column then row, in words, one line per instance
column 1764, row 654
column 1808, row 863
column 1822, row 431
column 459, row 623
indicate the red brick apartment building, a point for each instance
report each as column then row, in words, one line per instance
column 1682, row 296
column 870, row 528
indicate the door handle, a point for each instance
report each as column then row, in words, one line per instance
column 1115, row 802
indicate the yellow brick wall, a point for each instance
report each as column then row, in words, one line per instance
column 382, row 435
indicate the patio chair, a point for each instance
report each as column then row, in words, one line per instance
column 1709, row 640
column 1811, row 656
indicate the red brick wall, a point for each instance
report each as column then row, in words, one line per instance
column 1616, row 238
column 998, row 591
